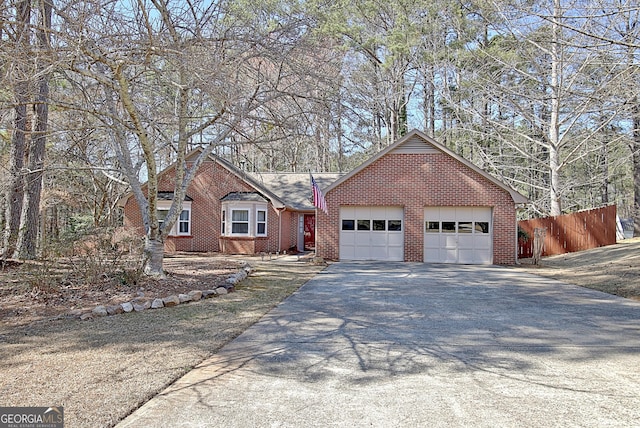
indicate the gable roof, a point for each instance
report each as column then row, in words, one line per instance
column 295, row 188
column 418, row 142
column 243, row 197
column 282, row 189
column 275, row 200
column 168, row 196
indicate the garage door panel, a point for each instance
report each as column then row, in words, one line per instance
column 348, row 212
column 463, row 214
column 378, row 213
column 446, row 212
column 482, row 214
column 466, row 241
column 362, row 239
column 458, row 235
column 466, row 256
column 378, row 253
column 449, row 240
column 348, row 251
column 450, row 255
column 396, row 253
column 348, row 239
column 432, row 255
column 483, row 241
column 373, row 238
column 396, row 239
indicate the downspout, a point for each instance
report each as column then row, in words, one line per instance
column 280, row 211
column 521, row 207
column 517, row 260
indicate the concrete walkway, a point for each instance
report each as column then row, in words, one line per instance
column 408, row 345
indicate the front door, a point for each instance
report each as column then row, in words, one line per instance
column 309, row 232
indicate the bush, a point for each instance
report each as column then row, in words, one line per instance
column 95, row 255
column 523, row 235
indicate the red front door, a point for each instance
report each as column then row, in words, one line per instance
column 309, row 232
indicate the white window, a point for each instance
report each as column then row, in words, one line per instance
column 261, row 222
column 182, row 227
column 184, row 223
column 162, row 214
column 240, row 222
column 239, row 218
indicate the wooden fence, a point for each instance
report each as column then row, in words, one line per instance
column 571, row 232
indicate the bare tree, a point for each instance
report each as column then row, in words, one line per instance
column 539, row 100
column 29, row 218
column 174, row 74
column 19, row 37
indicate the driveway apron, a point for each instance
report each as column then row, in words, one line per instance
column 407, row 345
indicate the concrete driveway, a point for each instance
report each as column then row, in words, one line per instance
column 407, row 345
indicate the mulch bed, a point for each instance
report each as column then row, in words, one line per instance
column 37, row 291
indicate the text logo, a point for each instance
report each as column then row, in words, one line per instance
column 31, row 417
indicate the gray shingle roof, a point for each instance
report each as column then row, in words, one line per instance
column 293, row 188
column 244, row 196
column 168, row 196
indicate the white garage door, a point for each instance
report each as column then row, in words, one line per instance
column 372, row 233
column 458, row 235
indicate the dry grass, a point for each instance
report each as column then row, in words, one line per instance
column 102, row 370
column 614, row 269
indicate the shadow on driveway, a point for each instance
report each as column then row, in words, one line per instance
column 403, row 344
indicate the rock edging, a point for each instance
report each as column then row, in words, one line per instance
column 141, row 304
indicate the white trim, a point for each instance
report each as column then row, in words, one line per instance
column 175, row 229
column 369, row 242
column 258, row 221
column 252, row 209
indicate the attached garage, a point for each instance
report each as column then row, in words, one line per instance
column 371, row 233
column 458, row 235
column 417, row 201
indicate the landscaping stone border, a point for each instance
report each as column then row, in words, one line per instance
column 141, row 303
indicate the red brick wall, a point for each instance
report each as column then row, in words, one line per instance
column 416, row 181
column 211, row 183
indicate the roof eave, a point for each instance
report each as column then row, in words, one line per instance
column 273, row 198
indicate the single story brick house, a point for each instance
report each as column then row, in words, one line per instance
column 414, row 201
column 231, row 211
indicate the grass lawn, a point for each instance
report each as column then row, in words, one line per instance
column 102, row 370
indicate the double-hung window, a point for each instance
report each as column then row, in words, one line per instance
column 182, row 226
column 261, row 222
column 243, row 219
column 239, row 222
column 184, row 223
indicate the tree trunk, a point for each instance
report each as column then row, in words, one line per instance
column 428, row 106
column 15, row 187
column 17, row 153
column 636, row 167
column 29, row 223
column 554, row 120
column 153, row 257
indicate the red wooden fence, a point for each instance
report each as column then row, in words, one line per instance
column 571, row 232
